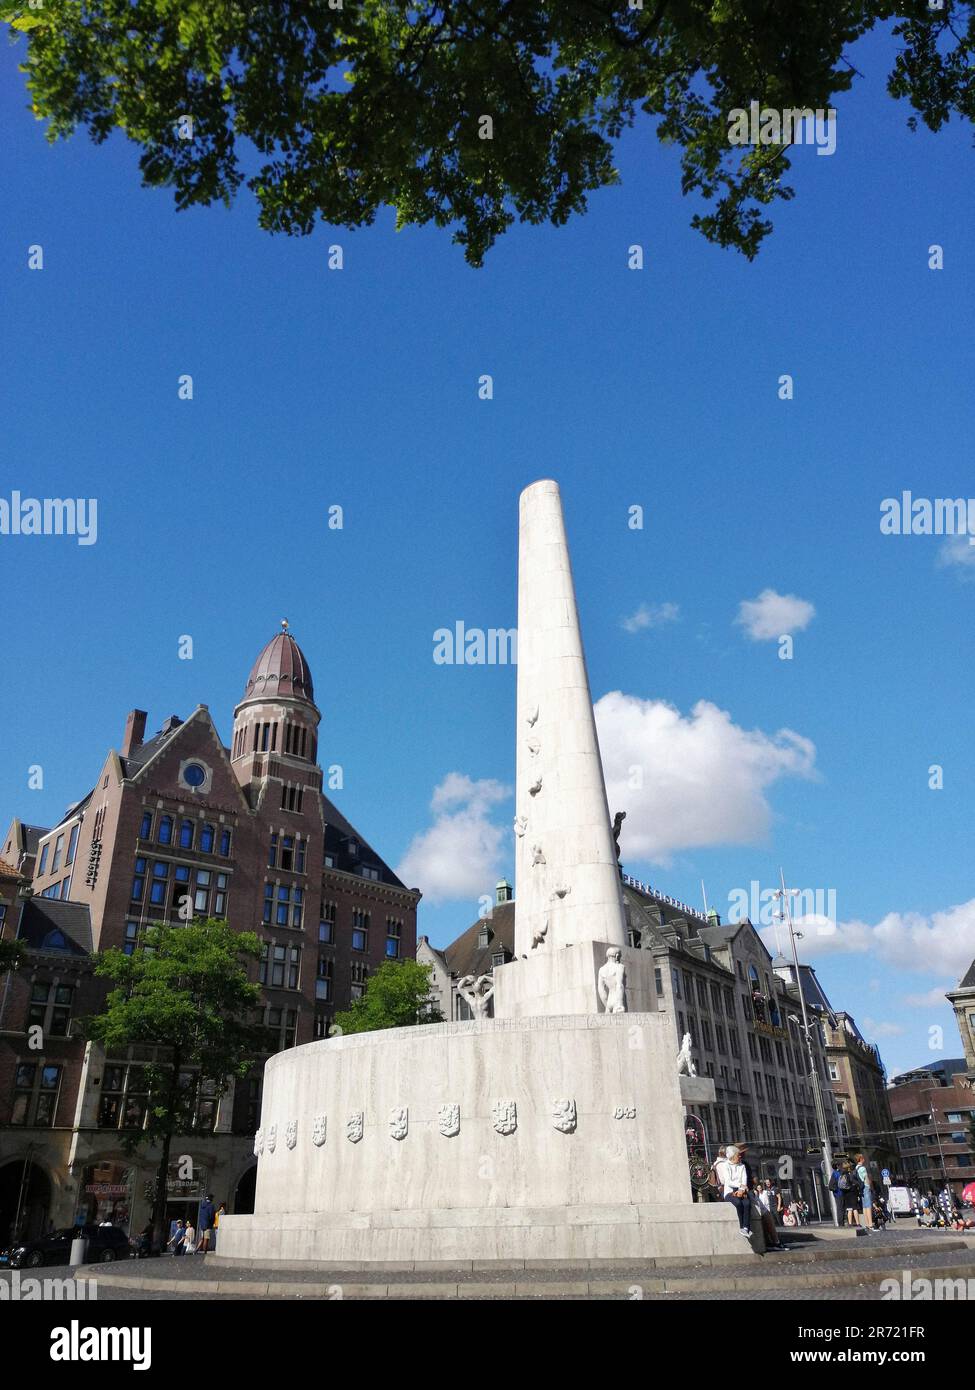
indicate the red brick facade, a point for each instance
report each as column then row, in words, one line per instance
column 245, row 833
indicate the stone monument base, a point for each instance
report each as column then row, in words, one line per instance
column 677, row 1231
column 549, row 1137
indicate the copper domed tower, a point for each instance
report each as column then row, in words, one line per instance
column 276, row 722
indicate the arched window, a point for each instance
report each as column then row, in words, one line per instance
column 207, row 835
column 166, row 830
column 186, row 834
column 225, row 843
column 145, row 830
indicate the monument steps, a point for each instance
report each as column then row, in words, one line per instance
column 830, row 1265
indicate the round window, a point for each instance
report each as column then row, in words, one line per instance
column 194, row 775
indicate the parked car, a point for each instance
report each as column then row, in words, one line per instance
column 105, row 1243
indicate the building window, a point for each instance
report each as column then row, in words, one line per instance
column 186, row 834
column 42, row 867
column 132, row 933
column 323, row 980
column 72, row 843
column 394, row 931
column 165, row 836
column 225, row 843
column 282, row 1025
column 124, row 1098
column 56, row 861
column 288, row 852
column 145, row 829
column 675, row 977
column 50, row 1008
column 359, row 976
column 160, row 876
column 139, row 880
column 834, row 1071
column 207, row 839
column 36, row 1089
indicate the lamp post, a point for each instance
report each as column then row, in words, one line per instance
column 784, row 894
column 937, row 1135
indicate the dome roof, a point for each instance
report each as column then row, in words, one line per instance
column 280, row 670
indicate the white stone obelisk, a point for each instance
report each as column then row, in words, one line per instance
column 568, row 889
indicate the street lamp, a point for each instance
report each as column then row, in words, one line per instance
column 784, row 894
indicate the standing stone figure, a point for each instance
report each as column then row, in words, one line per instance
column 477, row 992
column 685, row 1062
column 611, row 982
column 618, row 820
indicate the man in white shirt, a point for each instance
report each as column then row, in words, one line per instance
column 734, row 1179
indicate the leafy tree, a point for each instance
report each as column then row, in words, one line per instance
column 185, row 991
column 397, row 996
column 11, row 955
column 338, row 110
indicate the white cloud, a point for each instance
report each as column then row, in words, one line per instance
column 958, row 554
column 772, row 615
column 459, row 856
column 690, row 781
column 651, row 615
column 873, row 1028
column 931, row 999
column 942, row 943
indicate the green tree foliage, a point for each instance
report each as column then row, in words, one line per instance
column 184, row 990
column 11, row 955
column 397, row 996
column 332, row 110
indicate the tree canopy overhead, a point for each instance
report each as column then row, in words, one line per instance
column 332, row 109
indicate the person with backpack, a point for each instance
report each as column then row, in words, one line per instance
column 866, row 1190
column 847, row 1191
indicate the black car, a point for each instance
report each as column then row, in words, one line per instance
column 105, row 1243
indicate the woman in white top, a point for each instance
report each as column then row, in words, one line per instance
column 734, row 1179
column 189, row 1239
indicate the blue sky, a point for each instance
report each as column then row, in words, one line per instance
column 656, row 388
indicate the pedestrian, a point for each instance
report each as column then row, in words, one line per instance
column 189, row 1239
column 207, row 1213
column 176, row 1238
column 763, row 1195
column 848, row 1193
column 866, row 1190
column 221, row 1209
column 734, row 1182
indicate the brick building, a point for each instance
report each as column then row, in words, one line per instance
column 718, row 983
column 934, row 1109
column 247, row 833
column 859, row 1083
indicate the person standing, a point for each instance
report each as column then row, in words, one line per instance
column 848, row 1192
column 207, row 1213
column 189, row 1239
column 764, row 1194
column 221, row 1209
column 866, row 1190
column 734, row 1181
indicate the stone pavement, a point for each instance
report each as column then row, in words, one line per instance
column 828, row 1266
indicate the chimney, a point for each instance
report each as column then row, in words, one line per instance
column 135, row 727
